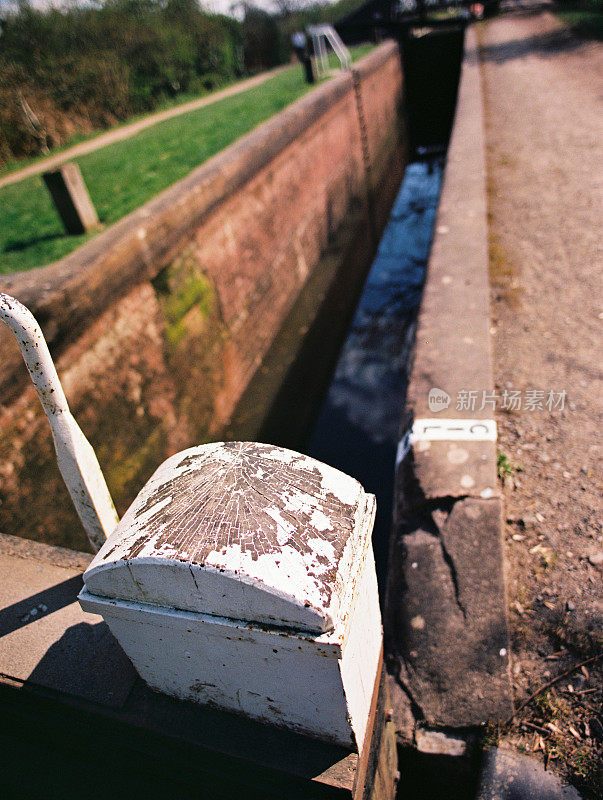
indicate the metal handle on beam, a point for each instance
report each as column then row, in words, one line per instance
column 76, row 458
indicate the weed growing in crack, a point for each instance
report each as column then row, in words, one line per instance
column 504, row 466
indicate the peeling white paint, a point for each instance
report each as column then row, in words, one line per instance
column 222, row 568
column 312, row 579
column 75, row 457
column 320, row 521
column 285, row 530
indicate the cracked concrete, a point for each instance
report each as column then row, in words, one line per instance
column 439, row 517
column 447, row 632
column 445, row 621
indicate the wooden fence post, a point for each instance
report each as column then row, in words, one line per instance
column 70, row 195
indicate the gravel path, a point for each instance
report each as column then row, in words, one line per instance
column 544, row 130
column 125, row 131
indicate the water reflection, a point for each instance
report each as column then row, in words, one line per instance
column 357, row 428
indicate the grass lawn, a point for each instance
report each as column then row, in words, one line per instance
column 77, row 138
column 123, row 176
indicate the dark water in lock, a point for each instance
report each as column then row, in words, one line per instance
column 358, row 425
column 357, row 429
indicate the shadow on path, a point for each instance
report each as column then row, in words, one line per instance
column 543, row 45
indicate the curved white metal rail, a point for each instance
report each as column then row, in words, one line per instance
column 76, row 458
column 320, row 36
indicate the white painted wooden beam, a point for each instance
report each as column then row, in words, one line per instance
column 242, row 577
column 76, row 458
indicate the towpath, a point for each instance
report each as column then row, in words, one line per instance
column 131, row 129
column 544, row 131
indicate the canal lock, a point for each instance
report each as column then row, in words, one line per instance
column 333, row 382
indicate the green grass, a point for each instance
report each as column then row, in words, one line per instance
column 77, row 138
column 504, row 466
column 123, row 176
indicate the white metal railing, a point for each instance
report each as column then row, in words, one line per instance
column 320, row 36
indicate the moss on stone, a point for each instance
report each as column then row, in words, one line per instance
column 180, row 287
column 194, row 334
column 126, row 475
column 197, row 291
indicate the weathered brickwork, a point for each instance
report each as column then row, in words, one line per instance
column 158, row 324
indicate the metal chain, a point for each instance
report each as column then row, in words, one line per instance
column 366, row 156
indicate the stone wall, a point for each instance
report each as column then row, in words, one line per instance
column 158, row 324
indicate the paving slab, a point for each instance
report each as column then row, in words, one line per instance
column 45, row 637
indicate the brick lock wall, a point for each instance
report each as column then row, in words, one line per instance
column 158, row 324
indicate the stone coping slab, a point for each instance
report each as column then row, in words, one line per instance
column 445, row 620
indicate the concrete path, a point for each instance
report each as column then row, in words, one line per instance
column 544, row 134
column 126, row 131
column 544, row 164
